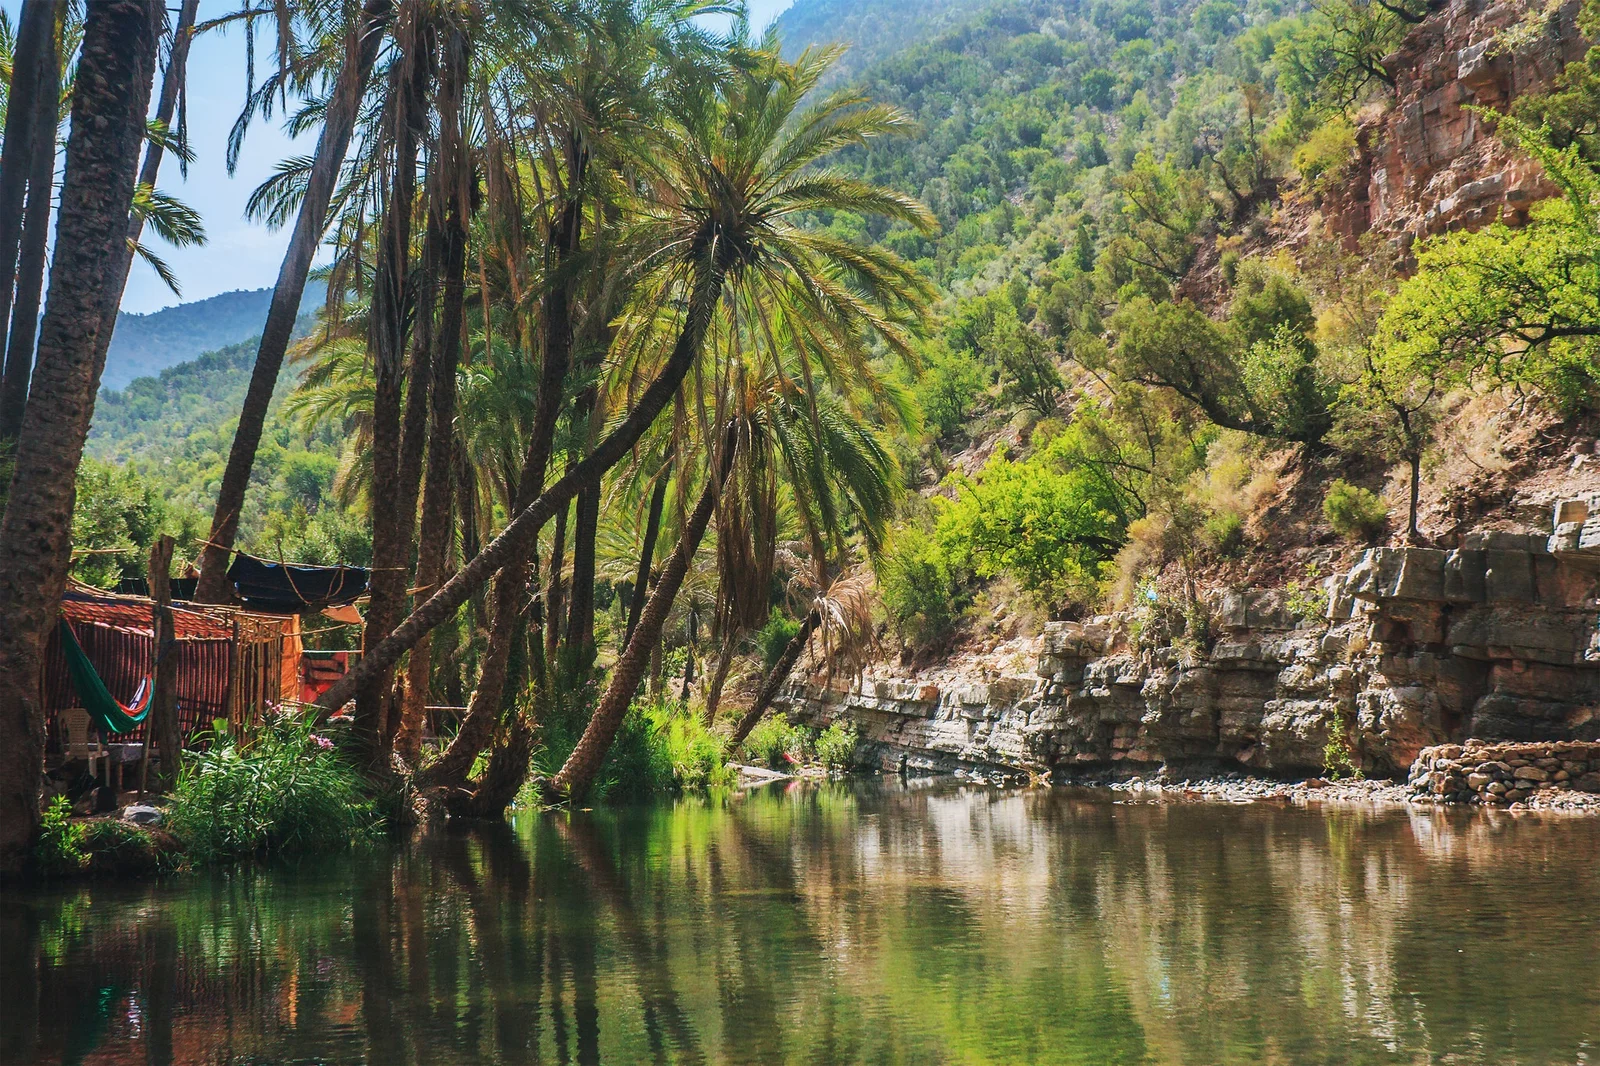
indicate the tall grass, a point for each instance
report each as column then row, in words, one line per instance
column 278, row 789
column 661, row 748
column 776, row 743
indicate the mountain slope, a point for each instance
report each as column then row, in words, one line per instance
column 148, row 344
column 874, row 30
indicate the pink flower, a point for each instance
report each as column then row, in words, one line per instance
column 322, row 742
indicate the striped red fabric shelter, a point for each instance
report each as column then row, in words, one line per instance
column 116, row 634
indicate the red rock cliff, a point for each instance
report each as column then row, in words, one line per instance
column 1427, row 164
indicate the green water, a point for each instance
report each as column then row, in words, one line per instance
column 847, row 923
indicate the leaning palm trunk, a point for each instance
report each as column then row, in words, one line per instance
column 719, row 676
column 517, row 540
column 775, row 679
column 34, row 39
column 17, row 357
column 583, row 765
column 338, row 124
column 647, row 551
column 116, row 68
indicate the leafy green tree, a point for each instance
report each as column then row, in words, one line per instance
column 1570, row 108
column 920, row 593
column 1049, row 520
column 1270, row 386
column 1165, row 209
column 1335, row 61
column 948, row 388
column 1519, row 306
column 1028, row 373
column 116, row 518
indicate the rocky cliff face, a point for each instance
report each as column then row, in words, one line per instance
column 1428, row 164
column 1499, row 639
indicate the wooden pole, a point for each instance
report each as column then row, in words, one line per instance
column 162, row 723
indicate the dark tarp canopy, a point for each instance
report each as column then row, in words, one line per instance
column 288, row 588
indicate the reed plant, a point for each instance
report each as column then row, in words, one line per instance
column 278, row 789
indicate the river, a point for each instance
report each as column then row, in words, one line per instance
column 847, row 922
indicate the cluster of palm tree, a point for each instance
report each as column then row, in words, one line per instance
column 576, row 301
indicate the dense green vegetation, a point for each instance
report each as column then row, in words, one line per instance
column 1081, row 161
column 155, row 455
column 1086, row 163
column 1057, row 267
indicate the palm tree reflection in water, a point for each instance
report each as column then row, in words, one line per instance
column 839, row 923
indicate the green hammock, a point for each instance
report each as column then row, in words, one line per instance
column 113, row 717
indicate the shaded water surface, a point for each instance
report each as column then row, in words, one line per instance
column 834, row 923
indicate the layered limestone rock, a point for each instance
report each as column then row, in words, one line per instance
column 1428, row 163
column 1498, row 639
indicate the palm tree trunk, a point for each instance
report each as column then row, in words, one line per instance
column 391, row 298
column 18, row 352
column 34, row 39
column 116, row 68
column 584, row 763
column 555, row 589
column 433, row 538
column 719, row 676
column 580, row 615
column 163, row 724
column 647, row 552
column 775, row 679
column 484, row 709
column 405, row 724
column 338, row 124
column 517, row 539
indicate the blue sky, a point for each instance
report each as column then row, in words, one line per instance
column 239, row 254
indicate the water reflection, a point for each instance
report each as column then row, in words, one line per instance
column 847, row 924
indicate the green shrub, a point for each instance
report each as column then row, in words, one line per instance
column 693, row 751
column 1354, row 512
column 660, row 748
column 836, row 746
column 775, row 743
column 1338, row 756
column 918, row 590
column 1327, row 152
column 60, row 846
column 1307, row 600
column 277, row 789
column 775, row 636
column 1224, row 534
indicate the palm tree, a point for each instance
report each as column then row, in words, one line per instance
column 116, row 69
column 604, row 99
column 359, row 52
column 33, row 116
column 27, row 105
column 737, row 172
column 842, row 615
column 450, row 207
column 837, row 472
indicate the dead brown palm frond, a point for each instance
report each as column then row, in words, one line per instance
column 846, row 630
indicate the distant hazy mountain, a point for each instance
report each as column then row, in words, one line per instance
column 874, row 29
column 145, row 345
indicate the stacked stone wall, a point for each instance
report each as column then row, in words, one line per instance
column 1503, row 774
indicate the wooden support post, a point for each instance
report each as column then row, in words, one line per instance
column 162, row 724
